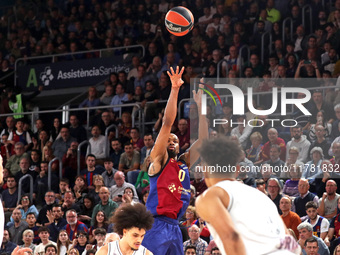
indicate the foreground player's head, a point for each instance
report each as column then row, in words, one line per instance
column 219, row 157
column 131, row 222
column 173, row 145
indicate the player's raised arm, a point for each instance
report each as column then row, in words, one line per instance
column 159, row 152
column 211, row 206
column 202, row 130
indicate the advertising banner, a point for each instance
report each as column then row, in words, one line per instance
column 78, row 73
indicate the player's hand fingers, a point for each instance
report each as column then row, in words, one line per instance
column 182, row 70
column 168, row 73
column 172, row 70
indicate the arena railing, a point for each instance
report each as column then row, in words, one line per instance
column 6, row 76
column 323, row 4
column 263, row 44
column 107, row 146
column 291, row 32
column 140, row 121
column 20, row 187
column 4, row 11
column 67, row 104
column 308, row 8
column 79, row 153
column 101, row 51
column 49, row 175
column 219, row 68
column 86, row 109
column 244, row 47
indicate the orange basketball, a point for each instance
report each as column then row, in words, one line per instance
column 179, row 21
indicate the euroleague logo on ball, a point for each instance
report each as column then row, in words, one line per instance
column 179, row 21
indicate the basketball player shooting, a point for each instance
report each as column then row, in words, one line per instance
column 169, row 179
column 241, row 219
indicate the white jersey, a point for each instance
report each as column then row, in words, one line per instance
column 255, row 217
column 113, row 249
column 2, row 222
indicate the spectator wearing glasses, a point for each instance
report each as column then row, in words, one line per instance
column 27, row 238
column 13, row 162
column 80, row 241
column 50, row 201
column 107, row 119
column 195, row 240
column 25, row 206
column 74, row 226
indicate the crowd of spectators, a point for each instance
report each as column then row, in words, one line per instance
column 298, row 168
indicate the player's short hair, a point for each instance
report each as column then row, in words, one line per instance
column 222, row 152
column 311, row 204
column 130, row 216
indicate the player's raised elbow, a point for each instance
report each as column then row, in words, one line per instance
column 232, row 238
column 233, row 243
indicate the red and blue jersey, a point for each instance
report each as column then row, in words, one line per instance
column 317, row 227
column 170, row 190
column 73, row 233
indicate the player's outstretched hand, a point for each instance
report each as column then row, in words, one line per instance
column 176, row 77
column 22, row 251
column 198, row 94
